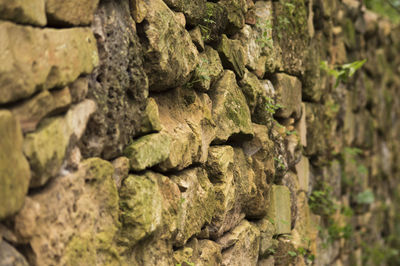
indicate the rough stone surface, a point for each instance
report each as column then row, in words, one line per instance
column 279, row 209
column 119, row 85
column 14, row 168
column 55, row 58
column 230, row 111
column 31, row 112
column 199, row 252
column 236, row 14
column 240, row 245
column 24, row 12
column 148, row 151
column 151, row 121
column 46, row 148
column 170, row 55
column 194, row 10
column 78, row 227
column 70, row 12
column 186, row 115
column 9, row 256
column 232, row 55
column 288, row 90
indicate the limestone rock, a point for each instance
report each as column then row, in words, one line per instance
column 259, row 96
column 186, row 116
column 56, row 58
column 199, row 252
column 267, row 231
column 232, row 55
column 24, row 11
column 121, row 170
column 170, row 55
column 197, row 203
column 74, row 220
column 138, row 10
column 194, row 10
column 279, row 209
column 151, row 121
column 119, row 85
column 214, row 23
column 236, row 14
column 197, row 39
column 9, row 256
column 230, row 110
column 46, row 147
column 288, row 91
column 31, row 112
column 240, row 245
column 14, row 168
column 208, row 71
column 70, row 12
column 148, row 151
column 303, row 173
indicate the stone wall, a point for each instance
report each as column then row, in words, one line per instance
column 194, row 132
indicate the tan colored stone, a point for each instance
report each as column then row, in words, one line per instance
column 31, row 112
column 121, row 170
column 24, row 11
column 288, row 89
column 138, row 10
column 303, row 173
column 279, row 209
column 14, row 168
column 70, row 12
column 151, row 120
column 56, row 58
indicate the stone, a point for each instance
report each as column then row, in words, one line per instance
column 119, row 85
column 151, row 121
column 194, row 10
column 74, row 220
column 121, row 170
column 9, row 256
column 267, row 231
column 186, row 115
column 303, row 173
column 208, row 71
column 56, row 57
column 46, row 148
column 170, row 56
column 230, row 111
column 70, row 12
column 240, row 246
column 214, row 23
column 199, row 252
column 236, row 14
column 232, row 55
column 197, row 203
column 14, row 168
column 259, row 96
column 31, row 112
column 79, row 89
column 279, row 209
column 30, row 12
column 138, row 10
column 148, row 151
column 197, row 39
column 301, row 126
column 288, row 89
column 219, row 162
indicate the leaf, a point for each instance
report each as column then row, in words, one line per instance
column 365, row 197
column 292, row 253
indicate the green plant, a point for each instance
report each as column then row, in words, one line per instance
column 271, row 107
column 292, row 253
column 320, row 201
column 343, row 72
column 201, row 74
column 365, row 197
column 271, row 251
column 205, row 28
column 266, row 34
column 280, row 165
column 185, row 263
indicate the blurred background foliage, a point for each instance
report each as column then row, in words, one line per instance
column 387, row 8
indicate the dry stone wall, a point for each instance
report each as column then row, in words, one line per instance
column 177, row 132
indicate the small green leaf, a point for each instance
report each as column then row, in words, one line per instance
column 365, row 197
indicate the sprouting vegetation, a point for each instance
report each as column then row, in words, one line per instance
column 342, row 73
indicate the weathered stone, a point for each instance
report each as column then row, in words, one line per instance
column 31, row 112
column 197, row 203
column 151, row 252
column 267, row 231
column 215, row 22
column 74, row 220
column 303, row 173
column 79, row 89
column 236, row 10
column 301, row 126
column 232, row 55
column 199, row 252
column 230, row 110
column 170, row 55
column 151, row 121
column 279, row 209
column 46, row 147
column 288, row 90
column 119, row 85
column 194, row 10
column 70, row 12
column 197, row 39
column 138, row 10
column 14, row 168
column 55, row 58
column 148, row 151
column 9, row 256
column 186, row 115
column 121, row 170
column 240, row 246
column 259, row 96
column 208, row 71
column 219, row 162
column 24, row 11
